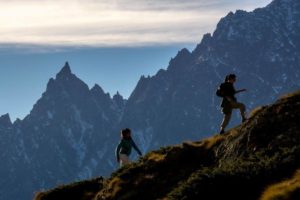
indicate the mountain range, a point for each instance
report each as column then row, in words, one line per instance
column 72, row 130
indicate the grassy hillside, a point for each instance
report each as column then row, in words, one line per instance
column 84, row 190
column 256, row 160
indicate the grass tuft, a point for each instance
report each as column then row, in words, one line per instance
column 156, row 157
column 211, row 142
column 256, row 111
column 288, row 189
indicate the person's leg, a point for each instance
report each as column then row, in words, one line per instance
column 226, row 119
column 241, row 107
column 124, row 159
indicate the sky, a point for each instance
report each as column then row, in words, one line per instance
column 108, row 42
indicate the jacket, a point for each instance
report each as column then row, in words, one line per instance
column 229, row 92
column 125, row 147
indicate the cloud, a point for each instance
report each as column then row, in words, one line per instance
column 112, row 23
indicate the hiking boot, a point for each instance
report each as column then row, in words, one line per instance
column 244, row 119
column 222, row 132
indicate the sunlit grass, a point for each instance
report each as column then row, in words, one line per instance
column 284, row 190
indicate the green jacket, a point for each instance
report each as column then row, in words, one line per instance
column 125, row 147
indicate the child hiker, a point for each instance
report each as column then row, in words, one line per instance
column 124, row 148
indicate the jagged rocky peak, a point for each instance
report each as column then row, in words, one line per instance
column 5, row 120
column 202, row 46
column 17, row 122
column 117, row 96
column 227, row 25
column 145, row 77
column 118, row 99
column 182, row 56
column 206, row 37
column 241, row 12
column 65, row 71
column 69, row 81
column 144, row 80
column 97, row 90
column 140, row 88
column 183, row 53
column 98, row 93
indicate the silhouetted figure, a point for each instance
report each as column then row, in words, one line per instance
column 229, row 102
column 123, row 150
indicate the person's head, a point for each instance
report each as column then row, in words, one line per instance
column 230, row 78
column 126, row 133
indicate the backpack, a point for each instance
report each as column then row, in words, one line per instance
column 220, row 90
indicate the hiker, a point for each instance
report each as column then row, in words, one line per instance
column 229, row 101
column 124, row 148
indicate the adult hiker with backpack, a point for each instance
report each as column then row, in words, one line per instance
column 123, row 150
column 227, row 91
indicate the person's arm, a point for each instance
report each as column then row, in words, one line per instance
column 136, row 148
column 238, row 91
column 118, row 151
